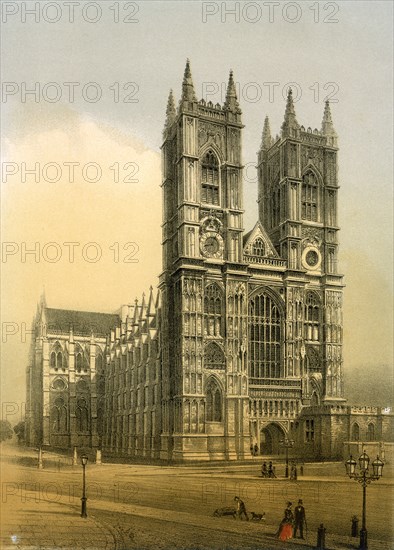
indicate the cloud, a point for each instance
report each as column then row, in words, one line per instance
column 122, row 218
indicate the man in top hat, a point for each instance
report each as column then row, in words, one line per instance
column 299, row 519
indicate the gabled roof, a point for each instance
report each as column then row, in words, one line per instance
column 259, row 231
column 82, row 322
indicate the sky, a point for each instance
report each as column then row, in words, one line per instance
column 93, row 131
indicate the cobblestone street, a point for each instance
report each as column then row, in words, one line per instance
column 147, row 507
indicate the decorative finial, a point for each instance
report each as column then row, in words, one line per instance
column 231, row 103
column 187, row 85
column 170, row 111
column 327, row 126
column 290, row 124
column 266, row 138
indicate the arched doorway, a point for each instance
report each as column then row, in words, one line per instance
column 270, row 438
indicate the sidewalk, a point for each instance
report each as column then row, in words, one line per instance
column 50, row 525
column 255, row 534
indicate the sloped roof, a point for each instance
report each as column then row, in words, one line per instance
column 83, row 322
column 259, row 231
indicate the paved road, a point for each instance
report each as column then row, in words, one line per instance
column 137, row 506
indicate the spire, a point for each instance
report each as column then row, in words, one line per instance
column 231, row 103
column 327, row 126
column 151, row 306
column 266, row 139
column 290, row 124
column 171, row 111
column 43, row 300
column 187, row 85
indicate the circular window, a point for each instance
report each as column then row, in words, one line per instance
column 312, row 258
column 59, row 384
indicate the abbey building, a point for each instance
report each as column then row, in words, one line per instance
column 242, row 343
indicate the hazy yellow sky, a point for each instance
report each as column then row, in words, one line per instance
column 134, row 65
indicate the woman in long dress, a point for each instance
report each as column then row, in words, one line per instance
column 285, row 530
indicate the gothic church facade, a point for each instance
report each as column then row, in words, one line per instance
column 243, row 343
column 252, row 323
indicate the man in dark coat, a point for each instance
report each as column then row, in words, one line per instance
column 241, row 508
column 299, row 519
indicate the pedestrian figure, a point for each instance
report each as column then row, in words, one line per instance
column 300, row 519
column 321, row 537
column 302, row 470
column 271, row 471
column 293, row 472
column 251, row 449
column 256, row 449
column 264, row 471
column 241, row 508
column 285, row 529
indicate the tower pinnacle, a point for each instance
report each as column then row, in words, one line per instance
column 327, row 126
column 187, row 85
column 290, row 124
column 266, row 139
column 171, row 111
column 231, row 103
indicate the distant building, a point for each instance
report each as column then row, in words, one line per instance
column 242, row 345
column 66, row 377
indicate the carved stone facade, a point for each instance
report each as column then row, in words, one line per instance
column 65, row 386
column 243, row 344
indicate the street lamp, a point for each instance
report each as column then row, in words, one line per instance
column 365, row 477
column 84, row 460
column 287, row 444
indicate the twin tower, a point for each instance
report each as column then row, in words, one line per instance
column 251, row 323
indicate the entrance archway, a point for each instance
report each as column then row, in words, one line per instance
column 270, row 438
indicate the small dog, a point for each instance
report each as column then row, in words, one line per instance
column 257, row 517
column 219, row 512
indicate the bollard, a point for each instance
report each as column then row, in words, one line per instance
column 354, row 526
column 40, row 465
column 321, row 538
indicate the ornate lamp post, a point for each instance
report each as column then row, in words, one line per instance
column 365, row 477
column 287, row 444
column 84, row 460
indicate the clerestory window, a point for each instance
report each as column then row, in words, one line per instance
column 210, row 179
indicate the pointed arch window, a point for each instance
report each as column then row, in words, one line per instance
column 214, row 357
column 276, row 206
column 214, row 402
column 80, row 360
column 99, row 362
column 213, row 299
column 57, row 360
column 82, row 415
column 312, row 317
column 59, row 418
column 258, row 248
column 355, row 432
column 210, row 179
column 371, row 432
column 265, row 337
column 313, row 361
column 309, row 197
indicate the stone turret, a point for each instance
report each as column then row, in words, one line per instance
column 290, row 126
column 188, row 93
column 266, row 139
